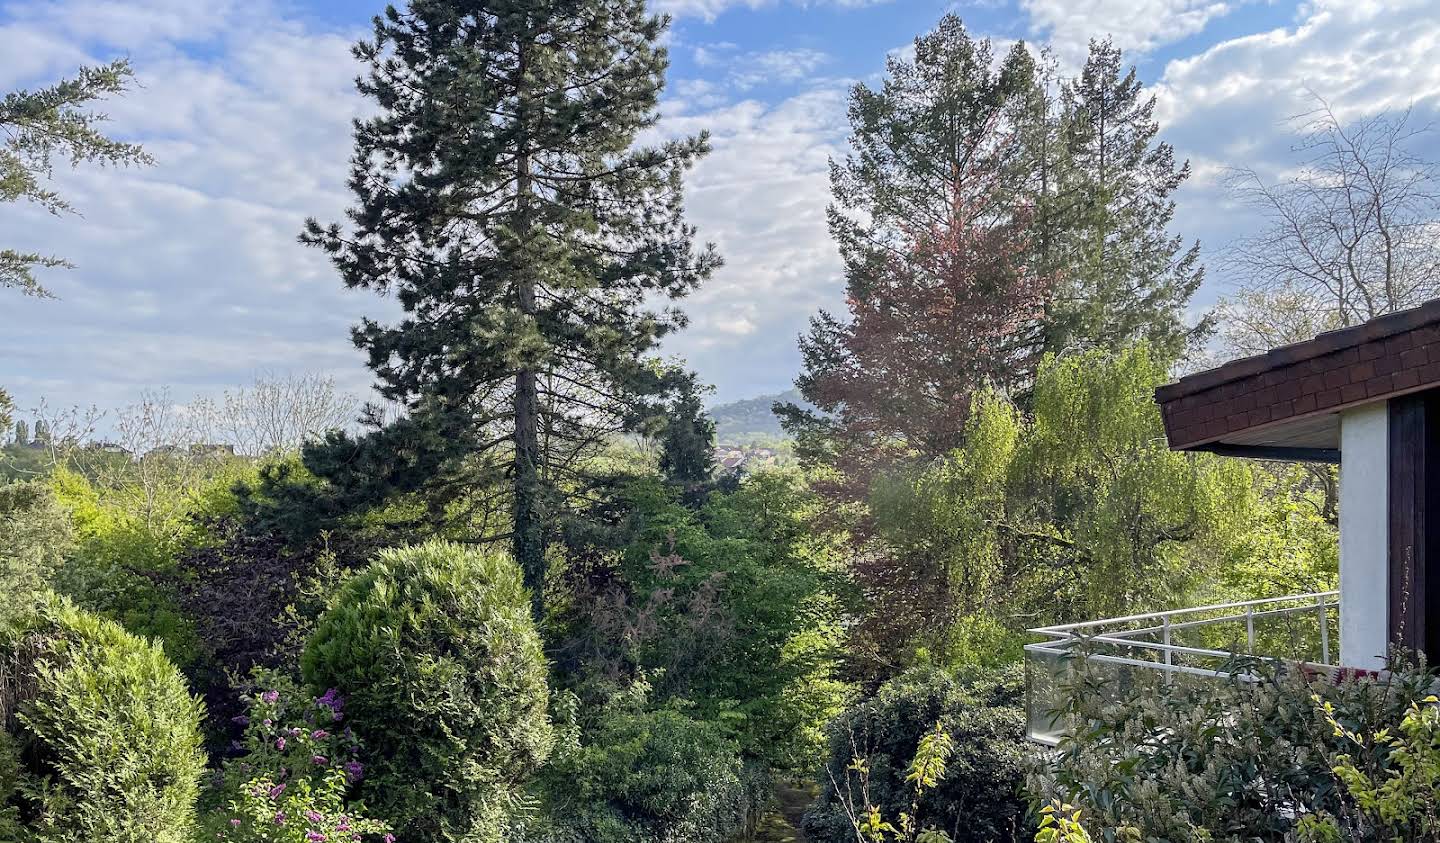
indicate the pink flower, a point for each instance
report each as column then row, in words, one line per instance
column 280, row 743
column 319, row 760
column 319, row 735
column 277, row 790
column 235, row 821
column 270, row 696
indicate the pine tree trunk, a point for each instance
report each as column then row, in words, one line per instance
column 529, row 536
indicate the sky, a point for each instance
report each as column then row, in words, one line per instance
column 189, row 278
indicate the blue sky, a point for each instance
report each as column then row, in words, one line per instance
column 189, row 277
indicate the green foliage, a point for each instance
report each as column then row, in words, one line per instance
column 131, row 524
column 1396, row 797
column 39, row 126
column 435, row 652
column 524, row 231
column 647, row 776
column 103, row 739
column 1079, row 509
column 1232, row 760
column 299, row 764
column 35, row 536
column 884, row 751
column 731, row 608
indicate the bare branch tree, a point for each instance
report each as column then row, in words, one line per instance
column 1355, row 229
column 277, row 413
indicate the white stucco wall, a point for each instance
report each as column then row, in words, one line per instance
column 1364, row 535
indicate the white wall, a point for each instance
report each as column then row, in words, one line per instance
column 1364, row 535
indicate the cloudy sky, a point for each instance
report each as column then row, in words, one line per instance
column 189, row 277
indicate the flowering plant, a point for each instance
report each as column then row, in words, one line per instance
column 297, row 765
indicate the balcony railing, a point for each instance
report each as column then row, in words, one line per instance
column 1197, row 642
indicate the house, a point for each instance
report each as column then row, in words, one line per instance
column 1365, row 397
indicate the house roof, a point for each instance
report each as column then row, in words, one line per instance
column 1287, row 400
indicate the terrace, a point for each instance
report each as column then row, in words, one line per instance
column 1365, row 397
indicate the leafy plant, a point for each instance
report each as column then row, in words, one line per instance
column 642, row 775
column 435, row 652
column 102, row 738
column 1242, row 758
column 299, row 766
column 928, row 744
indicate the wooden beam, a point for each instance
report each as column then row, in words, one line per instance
column 1274, row 452
column 1414, row 493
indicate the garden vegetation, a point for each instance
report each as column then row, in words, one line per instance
column 522, row 604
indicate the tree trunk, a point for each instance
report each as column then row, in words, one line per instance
column 529, row 529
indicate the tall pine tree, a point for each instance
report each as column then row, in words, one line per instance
column 930, row 213
column 1105, row 219
column 501, row 197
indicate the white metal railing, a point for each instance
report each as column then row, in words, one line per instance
column 1184, row 642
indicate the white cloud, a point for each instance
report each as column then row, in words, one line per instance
column 711, row 9
column 1232, row 104
column 1136, row 25
column 761, row 197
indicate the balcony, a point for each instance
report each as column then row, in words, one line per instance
column 1196, row 643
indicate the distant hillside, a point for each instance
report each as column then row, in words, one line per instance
column 751, row 419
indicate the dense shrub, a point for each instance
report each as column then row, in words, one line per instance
column 730, row 608
column 442, row 669
column 103, row 739
column 299, row 764
column 1217, row 759
column 979, row 797
column 34, row 537
column 654, row 776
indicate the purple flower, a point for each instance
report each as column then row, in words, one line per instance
column 270, row 696
column 319, row 735
column 332, row 700
column 313, row 816
column 389, row 838
column 277, row 790
column 279, row 817
column 319, row 760
column 235, row 821
column 280, row 743
column 240, row 720
column 355, row 771
column 314, row 836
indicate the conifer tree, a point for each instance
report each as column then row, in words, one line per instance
column 1121, row 275
column 37, row 127
column 22, row 432
column 501, row 197
column 687, row 447
column 930, row 214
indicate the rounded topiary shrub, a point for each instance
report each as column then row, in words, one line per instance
column 102, row 737
column 443, row 678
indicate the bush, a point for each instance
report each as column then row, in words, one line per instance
column 300, row 762
column 103, row 739
column 1216, row 759
column 434, row 649
column 655, row 776
column 979, row 797
column 34, row 537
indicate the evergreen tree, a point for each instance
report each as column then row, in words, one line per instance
column 7, row 409
column 22, row 432
column 501, row 197
column 687, row 448
column 36, row 127
column 930, row 215
column 42, row 432
column 1122, row 275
